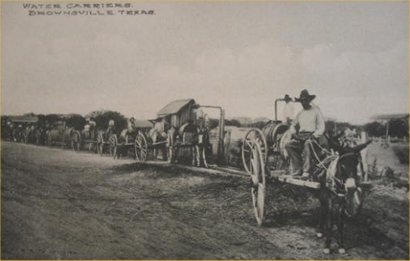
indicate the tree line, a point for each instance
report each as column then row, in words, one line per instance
column 397, row 127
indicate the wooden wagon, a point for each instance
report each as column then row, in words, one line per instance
column 23, row 128
column 169, row 136
column 125, row 143
column 107, row 139
column 264, row 159
column 63, row 135
column 89, row 138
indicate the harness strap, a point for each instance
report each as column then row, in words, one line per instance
column 317, row 157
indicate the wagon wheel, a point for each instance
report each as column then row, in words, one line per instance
column 100, row 144
column 141, row 148
column 258, row 181
column 253, row 137
column 113, row 142
column 279, row 158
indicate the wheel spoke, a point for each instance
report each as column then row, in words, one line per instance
column 249, row 144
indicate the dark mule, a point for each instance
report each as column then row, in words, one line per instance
column 40, row 136
column 341, row 193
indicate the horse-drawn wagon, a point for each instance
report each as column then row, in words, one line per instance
column 59, row 133
column 107, row 138
column 179, row 132
column 89, row 135
column 25, row 129
column 96, row 139
column 337, row 174
column 125, row 143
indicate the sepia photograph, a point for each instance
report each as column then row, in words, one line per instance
column 204, row 130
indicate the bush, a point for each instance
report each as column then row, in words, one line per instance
column 103, row 117
column 402, row 153
column 75, row 121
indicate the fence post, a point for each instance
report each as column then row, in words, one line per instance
column 363, row 154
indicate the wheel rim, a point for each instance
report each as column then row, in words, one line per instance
column 253, row 137
column 140, row 148
column 258, row 190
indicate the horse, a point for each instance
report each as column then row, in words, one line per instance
column 340, row 193
column 159, row 133
column 192, row 140
column 17, row 134
column 39, row 135
column 64, row 136
column 203, row 146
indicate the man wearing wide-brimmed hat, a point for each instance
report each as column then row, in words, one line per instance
column 308, row 123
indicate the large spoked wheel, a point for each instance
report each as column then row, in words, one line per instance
column 141, row 148
column 113, row 142
column 258, row 181
column 252, row 137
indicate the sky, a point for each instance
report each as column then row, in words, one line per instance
column 238, row 55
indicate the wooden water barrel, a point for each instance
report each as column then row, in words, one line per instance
column 272, row 130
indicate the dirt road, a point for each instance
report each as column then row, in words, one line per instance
column 58, row 204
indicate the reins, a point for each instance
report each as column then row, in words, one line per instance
column 329, row 154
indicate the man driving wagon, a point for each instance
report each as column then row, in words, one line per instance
column 308, row 124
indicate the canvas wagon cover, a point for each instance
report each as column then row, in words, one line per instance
column 24, row 119
column 174, row 107
column 143, row 124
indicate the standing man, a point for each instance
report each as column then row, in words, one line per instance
column 309, row 123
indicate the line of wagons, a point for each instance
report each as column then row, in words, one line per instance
column 264, row 158
column 179, row 132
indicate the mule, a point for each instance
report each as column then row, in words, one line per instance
column 340, row 193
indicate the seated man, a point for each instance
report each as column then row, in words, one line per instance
column 309, row 123
column 86, row 130
column 131, row 125
column 130, row 131
column 110, row 130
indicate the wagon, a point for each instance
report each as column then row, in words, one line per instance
column 265, row 159
column 169, row 135
column 65, row 136
column 23, row 129
column 89, row 139
column 125, row 144
column 106, row 139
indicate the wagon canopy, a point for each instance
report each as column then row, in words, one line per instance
column 178, row 112
column 24, row 119
column 175, row 107
column 143, row 124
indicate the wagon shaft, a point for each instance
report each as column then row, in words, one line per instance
column 299, row 182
